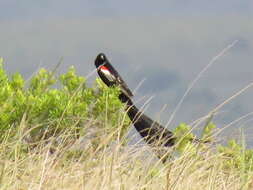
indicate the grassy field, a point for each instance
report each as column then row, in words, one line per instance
column 64, row 164
column 74, row 137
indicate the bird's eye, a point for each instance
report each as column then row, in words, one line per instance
column 102, row 57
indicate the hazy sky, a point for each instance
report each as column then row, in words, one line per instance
column 167, row 43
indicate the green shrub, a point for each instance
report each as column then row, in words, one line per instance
column 55, row 110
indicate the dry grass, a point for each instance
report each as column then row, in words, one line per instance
column 111, row 165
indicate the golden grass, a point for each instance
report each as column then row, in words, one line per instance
column 111, row 165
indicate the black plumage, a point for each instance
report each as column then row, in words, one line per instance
column 151, row 131
column 109, row 75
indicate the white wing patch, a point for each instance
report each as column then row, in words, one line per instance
column 108, row 75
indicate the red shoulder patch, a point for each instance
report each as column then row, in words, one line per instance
column 104, row 68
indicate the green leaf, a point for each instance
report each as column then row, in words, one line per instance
column 1, row 60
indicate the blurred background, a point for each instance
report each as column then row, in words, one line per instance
column 165, row 44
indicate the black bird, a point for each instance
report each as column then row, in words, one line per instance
column 109, row 75
column 152, row 132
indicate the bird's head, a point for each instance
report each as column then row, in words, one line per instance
column 100, row 60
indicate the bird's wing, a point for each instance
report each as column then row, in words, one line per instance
column 124, row 86
column 104, row 71
column 119, row 81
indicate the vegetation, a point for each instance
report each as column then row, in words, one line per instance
column 58, row 133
